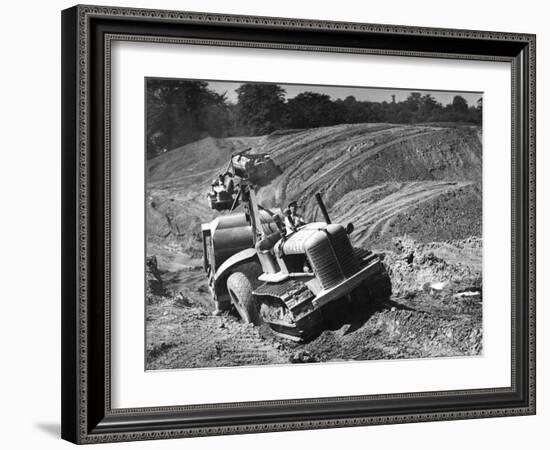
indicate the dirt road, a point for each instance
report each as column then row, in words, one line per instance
column 436, row 311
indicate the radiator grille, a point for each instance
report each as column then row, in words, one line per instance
column 332, row 256
column 324, row 264
column 344, row 252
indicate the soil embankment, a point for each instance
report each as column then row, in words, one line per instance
column 413, row 194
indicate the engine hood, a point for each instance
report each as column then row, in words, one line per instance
column 295, row 243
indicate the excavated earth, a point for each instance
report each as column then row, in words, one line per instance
column 413, row 194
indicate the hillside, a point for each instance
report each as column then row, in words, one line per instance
column 414, row 184
column 360, row 169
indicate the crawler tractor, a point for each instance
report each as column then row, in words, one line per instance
column 290, row 281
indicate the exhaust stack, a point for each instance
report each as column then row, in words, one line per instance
column 322, row 207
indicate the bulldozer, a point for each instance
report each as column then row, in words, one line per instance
column 290, row 281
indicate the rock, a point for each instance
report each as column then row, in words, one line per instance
column 155, row 286
column 438, row 286
column 302, row 356
column 182, row 300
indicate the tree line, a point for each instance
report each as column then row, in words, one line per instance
column 183, row 111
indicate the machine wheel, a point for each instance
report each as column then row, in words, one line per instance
column 240, row 291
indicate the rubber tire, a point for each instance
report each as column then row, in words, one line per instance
column 240, row 291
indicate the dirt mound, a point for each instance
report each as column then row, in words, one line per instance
column 389, row 180
column 413, row 191
column 337, row 160
column 449, row 267
column 425, row 210
column 194, row 158
column 419, row 327
column 352, row 165
column 454, row 214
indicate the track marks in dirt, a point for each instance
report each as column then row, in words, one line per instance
column 389, row 180
column 370, row 216
column 333, row 160
column 424, row 325
column 188, row 336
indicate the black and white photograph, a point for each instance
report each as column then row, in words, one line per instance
column 275, row 225
column 290, row 223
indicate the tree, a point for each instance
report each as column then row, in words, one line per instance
column 354, row 111
column 181, row 111
column 429, row 109
column 260, row 107
column 460, row 105
column 413, row 102
column 310, row 109
column 404, row 116
column 378, row 112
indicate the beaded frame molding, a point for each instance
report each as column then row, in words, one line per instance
column 87, row 35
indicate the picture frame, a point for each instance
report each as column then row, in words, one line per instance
column 88, row 33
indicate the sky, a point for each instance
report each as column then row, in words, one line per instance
column 360, row 93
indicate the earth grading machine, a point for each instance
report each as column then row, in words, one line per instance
column 289, row 280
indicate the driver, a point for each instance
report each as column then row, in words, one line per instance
column 219, row 184
column 293, row 220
